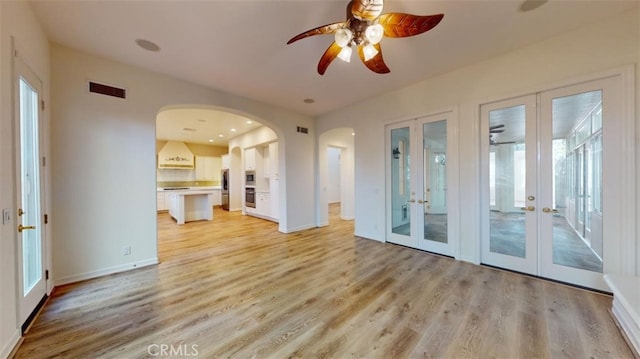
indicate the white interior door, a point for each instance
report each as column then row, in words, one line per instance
column 510, row 164
column 551, row 172
column 422, row 184
column 30, row 231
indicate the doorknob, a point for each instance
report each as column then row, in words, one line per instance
column 22, row 228
column 421, row 201
column 549, row 210
column 412, row 200
column 530, row 208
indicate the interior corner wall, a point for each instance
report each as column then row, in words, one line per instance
column 582, row 51
column 17, row 21
column 103, row 156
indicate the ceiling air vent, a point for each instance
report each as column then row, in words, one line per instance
column 107, row 90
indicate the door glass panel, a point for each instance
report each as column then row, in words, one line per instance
column 506, row 142
column 400, row 181
column 434, row 136
column 30, row 184
column 577, row 180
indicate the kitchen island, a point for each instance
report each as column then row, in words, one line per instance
column 191, row 205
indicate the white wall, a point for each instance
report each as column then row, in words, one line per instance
column 607, row 44
column 104, row 160
column 18, row 21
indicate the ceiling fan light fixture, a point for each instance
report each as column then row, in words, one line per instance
column 369, row 52
column 374, row 33
column 345, row 54
column 343, row 37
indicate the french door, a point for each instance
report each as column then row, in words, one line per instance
column 550, row 162
column 29, row 223
column 422, row 184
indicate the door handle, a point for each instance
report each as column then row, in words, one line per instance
column 549, row 210
column 530, row 208
column 22, row 228
column 421, row 201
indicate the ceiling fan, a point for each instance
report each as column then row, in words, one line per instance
column 363, row 29
column 497, row 129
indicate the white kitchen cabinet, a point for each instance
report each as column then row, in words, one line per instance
column 250, row 159
column 208, row 168
column 273, row 159
column 224, row 162
column 217, row 197
column 162, row 203
column 262, row 204
column 274, row 189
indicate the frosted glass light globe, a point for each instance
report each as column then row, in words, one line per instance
column 343, row 37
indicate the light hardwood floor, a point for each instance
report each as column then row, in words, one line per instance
column 235, row 287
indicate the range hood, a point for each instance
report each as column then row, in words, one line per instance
column 175, row 155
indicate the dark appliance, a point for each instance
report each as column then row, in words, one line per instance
column 224, row 191
column 250, row 178
column 250, row 197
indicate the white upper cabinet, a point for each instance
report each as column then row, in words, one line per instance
column 225, row 162
column 250, row 159
column 208, row 168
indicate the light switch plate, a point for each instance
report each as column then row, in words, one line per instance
column 6, row 216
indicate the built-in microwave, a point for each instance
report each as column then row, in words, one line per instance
column 250, row 178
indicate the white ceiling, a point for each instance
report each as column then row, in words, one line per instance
column 203, row 126
column 239, row 46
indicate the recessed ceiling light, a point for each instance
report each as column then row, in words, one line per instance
column 309, row 100
column 221, row 135
column 353, row 133
column 148, row 45
column 233, row 130
column 249, row 122
column 210, row 140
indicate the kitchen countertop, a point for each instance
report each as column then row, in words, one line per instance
column 198, row 188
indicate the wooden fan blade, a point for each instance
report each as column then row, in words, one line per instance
column 403, row 25
column 366, row 9
column 320, row 30
column 375, row 64
column 328, row 56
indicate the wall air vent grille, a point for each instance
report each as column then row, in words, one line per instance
column 107, row 90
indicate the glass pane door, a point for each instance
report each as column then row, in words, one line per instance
column 402, row 188
column 573, row 215
column 509, row 143
column 29, row 220
column 420, row 174
column 435, row 181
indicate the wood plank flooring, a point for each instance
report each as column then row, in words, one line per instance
column 237, row 288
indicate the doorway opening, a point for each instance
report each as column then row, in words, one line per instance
column 202, row 158
column 336, row 173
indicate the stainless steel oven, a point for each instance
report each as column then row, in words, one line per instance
column 250, row 197
column 250, row 178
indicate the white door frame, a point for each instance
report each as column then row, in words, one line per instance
column 28, row 303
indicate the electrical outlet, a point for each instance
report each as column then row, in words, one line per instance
column 6, row 216
column 126, row 250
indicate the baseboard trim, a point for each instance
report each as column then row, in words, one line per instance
column 297, row 229
column 9, row 349
column 106, row 271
